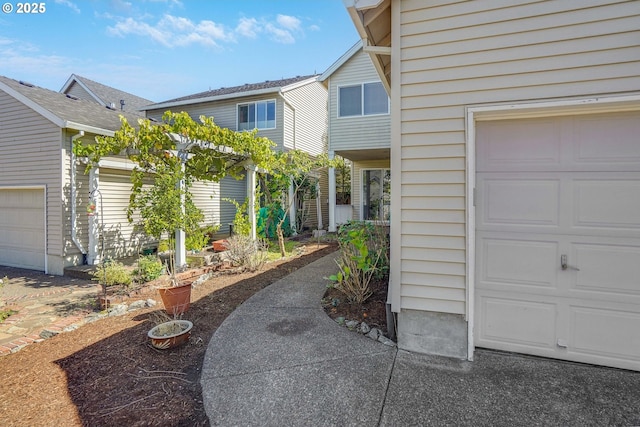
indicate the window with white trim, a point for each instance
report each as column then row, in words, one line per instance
column 365, row 99
column 257, row 115
column 376, row 194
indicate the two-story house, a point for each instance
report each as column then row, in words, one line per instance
column 515, row 208
column 291, row 112
column 359, row 128
column 44, row 190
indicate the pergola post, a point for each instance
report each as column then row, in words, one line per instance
column 332, row 196
column 251, row 191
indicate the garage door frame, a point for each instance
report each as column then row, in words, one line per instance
column 43, row 188
column 605, row 104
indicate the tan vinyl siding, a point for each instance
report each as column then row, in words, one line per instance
column 122, row 238
column 224, row 114
column 454, row 55
column 356, row 182
column 31, row 156
column 230, row 188
column 362, row 132
column 206, row 196
column 309, row 103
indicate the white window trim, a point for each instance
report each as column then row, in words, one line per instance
column 361, row 115
column 361, row 203
column 275, row 119
column 605, row 104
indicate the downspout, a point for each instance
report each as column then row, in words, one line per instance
column 74, row 225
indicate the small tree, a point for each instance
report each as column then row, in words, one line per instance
column 293, row 168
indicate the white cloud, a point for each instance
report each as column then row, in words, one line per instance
column 69, row 4
column 280, row 35
column 289, row 22
column 172, row 31
column 248, row 27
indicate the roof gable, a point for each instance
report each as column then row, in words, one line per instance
column 66, row 111
column 106, row 95
column 341, row 61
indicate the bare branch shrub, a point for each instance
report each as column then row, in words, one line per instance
column 244, row 252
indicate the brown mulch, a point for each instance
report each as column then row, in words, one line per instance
column 106, row 374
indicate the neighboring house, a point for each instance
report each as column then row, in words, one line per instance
column 83, row 88
column 290, row 112
column 43, row 221
column 359, row 129
column 515, row 202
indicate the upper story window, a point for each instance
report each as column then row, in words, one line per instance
column 362, row 100
column 257, row 115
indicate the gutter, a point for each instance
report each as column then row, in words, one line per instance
column 74, row 225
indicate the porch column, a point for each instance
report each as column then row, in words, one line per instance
column 251, row 193
column 93, row 257
column 332, row 196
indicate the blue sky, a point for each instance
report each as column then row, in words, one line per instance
column 163, row 49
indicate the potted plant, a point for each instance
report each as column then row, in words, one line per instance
column 170, row 334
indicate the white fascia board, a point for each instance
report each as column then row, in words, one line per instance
column 124, row 165
column 341, row 61
column 86, row 128
column 212, row 98
column 298, row 84
column 33, row 105
column 362, row 4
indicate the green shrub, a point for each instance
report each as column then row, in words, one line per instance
column 365, row 255
column 197, row 240
column 149, row 268
column 163, row 245
column 113, row 273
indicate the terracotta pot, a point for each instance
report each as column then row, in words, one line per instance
column 170, row 334
column 176, row 299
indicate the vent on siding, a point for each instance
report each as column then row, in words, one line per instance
column 23, row 83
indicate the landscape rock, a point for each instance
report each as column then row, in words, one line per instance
column 374, row 333
column 351, row 324
column 364, row 328
column 118, row 310
column 136, row 305
column 386, row 341
column 151, row 302
column 340, row 320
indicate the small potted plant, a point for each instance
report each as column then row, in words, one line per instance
column 170, row 334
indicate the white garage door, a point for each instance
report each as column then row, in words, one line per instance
column 558, row 238
column 22, row 230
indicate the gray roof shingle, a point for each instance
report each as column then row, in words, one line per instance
column 239, row 90
column 73, row 110
column 109, row 95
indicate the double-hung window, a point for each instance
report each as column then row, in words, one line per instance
column 365, row 99
column 257, row 115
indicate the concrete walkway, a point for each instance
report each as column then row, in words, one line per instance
column 279, row 360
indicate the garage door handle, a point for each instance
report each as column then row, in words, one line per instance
column 565, row 266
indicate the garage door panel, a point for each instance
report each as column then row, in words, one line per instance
column 517, row 146
column 523, row 322
column 604, row 140
column 508, row 200
column 518, row 263
column 607, row 268
column 607, row 203
column 607, row 333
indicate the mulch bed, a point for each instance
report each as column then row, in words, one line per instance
column 106, row 374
